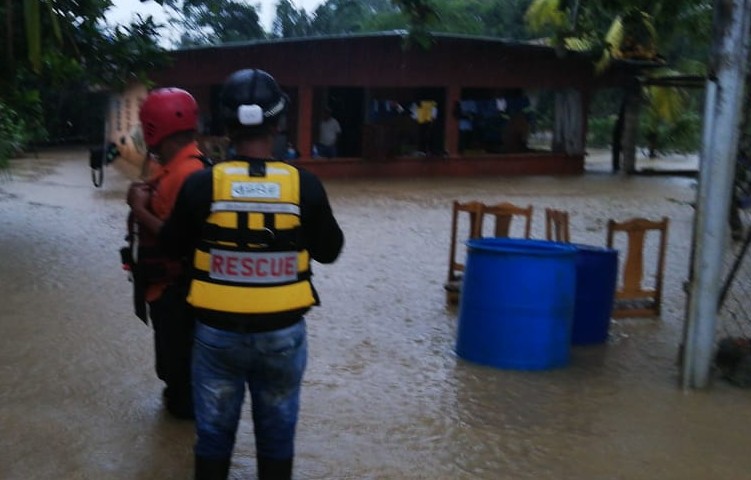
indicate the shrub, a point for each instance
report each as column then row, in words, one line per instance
column 12, row 136
column 681, row 136
column 600, row 133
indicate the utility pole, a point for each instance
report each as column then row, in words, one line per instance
column 722, row 113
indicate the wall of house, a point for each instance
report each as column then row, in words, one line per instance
column 123, row 128
column 317, row 71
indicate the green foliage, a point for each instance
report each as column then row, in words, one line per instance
column 33, row 37
column 26, row 104
column 672, row 123
column 421, row 15
column 638, row 36
column 682, row 134
column 665, row 103
column 547, row 16
column 600, row 132
column 57, row 52
column 12, row 134
column 503, row 19
column 218, row 21
column 353, row 16
column 682, row 26
column 481, row 17
column 290, row 22
column 115, row 58
column 387, row 21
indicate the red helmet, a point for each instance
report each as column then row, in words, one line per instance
column 166, row 111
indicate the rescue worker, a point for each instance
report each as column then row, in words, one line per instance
column 169, row 119
column 254, row 224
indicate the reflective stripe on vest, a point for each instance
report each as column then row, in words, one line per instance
column 250, row 260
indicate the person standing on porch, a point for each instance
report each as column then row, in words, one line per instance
column 328, row 135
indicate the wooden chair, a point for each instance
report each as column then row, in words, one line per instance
column 556, row 225
column 504, row 214
column 632, row 298
column 473, row 210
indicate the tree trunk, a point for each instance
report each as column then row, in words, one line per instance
column 9, row 39
column 617, row 142
column 630, row 129
column 574, row 19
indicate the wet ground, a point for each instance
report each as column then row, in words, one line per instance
column 385, row 396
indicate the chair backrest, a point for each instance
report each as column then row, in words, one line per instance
column 633, row 298
column 473, row 210
column 556, row 225
column 504, row 214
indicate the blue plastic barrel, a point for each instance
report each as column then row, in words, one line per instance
column 517, row 303
column 596, row 277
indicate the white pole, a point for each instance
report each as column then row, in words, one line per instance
column 720, row 145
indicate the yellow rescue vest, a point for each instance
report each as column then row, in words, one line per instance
column 251, row 259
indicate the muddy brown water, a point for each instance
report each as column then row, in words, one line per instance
column 385, row 396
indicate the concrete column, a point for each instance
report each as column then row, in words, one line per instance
column 568, row 129
column 724, row 99
column 305, row 121
column 451, row 125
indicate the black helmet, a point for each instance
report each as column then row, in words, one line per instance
column 251, row 98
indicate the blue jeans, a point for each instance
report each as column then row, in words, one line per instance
column 326, row 151
column 271, row 364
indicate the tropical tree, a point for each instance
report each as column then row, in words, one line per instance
column 552, row 17
column 633, row 33
column 498, row 18
column 290, row 22
column 217, row 21
column 57, row 52
column 349, row 16
column 421, row 15
column 665, row 119
column 30, row 13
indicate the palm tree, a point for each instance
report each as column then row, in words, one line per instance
column 631, row 37
column 32, row 21
column 555, row 15
column 666, row 106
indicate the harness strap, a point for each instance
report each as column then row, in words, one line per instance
column 205, row 276
column 281, row 239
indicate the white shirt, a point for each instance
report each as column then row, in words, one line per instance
column 330, row 129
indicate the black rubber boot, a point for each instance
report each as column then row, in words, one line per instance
column 211, row 468
column 274, row 469
column 179, row 403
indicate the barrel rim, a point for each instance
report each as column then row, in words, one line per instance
column 520, row 245
column 583, row 247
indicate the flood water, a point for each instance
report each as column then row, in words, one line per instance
column 385, row 396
